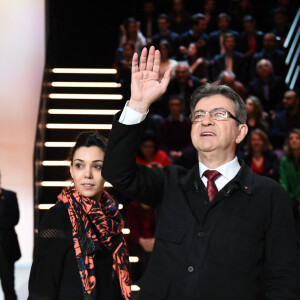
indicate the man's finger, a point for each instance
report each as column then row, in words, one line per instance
column 156, row 61
column 134, row 67
column 150, row 58
column 143, row 59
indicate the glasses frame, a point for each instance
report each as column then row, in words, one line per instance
column 228, row 115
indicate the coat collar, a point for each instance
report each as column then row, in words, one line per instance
column 243, row 179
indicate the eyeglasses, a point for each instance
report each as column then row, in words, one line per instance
column 218, row 114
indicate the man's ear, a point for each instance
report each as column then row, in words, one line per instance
column 242, row 131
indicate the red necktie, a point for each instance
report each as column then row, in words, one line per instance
column 211, row 176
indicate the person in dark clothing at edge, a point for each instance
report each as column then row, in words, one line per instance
column 229, row 239
column 80, row 252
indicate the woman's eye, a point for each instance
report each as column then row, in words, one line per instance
column 78, row 166
column 98, row 167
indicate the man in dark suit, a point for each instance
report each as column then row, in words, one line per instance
column 231, row 60
column 268, row 87
column 9, row 246
column 183, row 84
column 215, row 42
column 287, row 119
column 222, row 232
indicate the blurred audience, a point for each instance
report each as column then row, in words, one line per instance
column 175, row 130
column 164, row 33
column 228, row 78
column 149, row 153
column 268, row 87
column 183, row 84
column 230, row 60
column 216, row 38
column 290, row 170
column 140, row 220
column 260, row 156
column 180, row 17
column 286, row 119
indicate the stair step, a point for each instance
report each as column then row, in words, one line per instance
column 87, row 119
column 86, row 104
column 69, row 135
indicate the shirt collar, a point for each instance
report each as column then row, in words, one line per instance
column 228, row 170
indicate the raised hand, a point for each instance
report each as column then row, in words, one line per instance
column 145, row 85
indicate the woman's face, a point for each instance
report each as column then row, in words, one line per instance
column 256, row 143
column 294, row 141
column 86, row 171
column 147, row 149
column 249, row 106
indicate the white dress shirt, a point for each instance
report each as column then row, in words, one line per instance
column 228, row 172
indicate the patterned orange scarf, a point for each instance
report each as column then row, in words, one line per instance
column 97, row 226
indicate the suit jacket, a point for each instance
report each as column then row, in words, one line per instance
column 277, row 88
column 241, row 246
column 174, row 89
column 218, row 65
column 9, row 218
column 214, row 41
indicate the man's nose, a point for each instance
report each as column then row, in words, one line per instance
column 207, row 120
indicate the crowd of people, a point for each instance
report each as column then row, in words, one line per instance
column 220, row 47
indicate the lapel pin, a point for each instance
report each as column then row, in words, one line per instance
column 245, row 187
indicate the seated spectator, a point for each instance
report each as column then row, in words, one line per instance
column 123, row 68
column 130, row 32
column 196, row 35
column 140, row 219
column 271, row 53
column 215, row 42
column 148, row 19
column 210, row 13
column 268, row 87
column 228, row 78
column 180, row 17
column 282, row 26
column 183, row 84
column 175, row 130
column 251, row 39
column 198, row 64
column 260, row 157
column 287, row 119
column 255, row 120
column 149, row 153
column 239, row 11
column 231, row 60
column 290, row 170
column 164, row 33
column 166, row 62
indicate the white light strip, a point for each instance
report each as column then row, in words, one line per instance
column 83, row 71
column 86, row 84
column 135, row 288
column 86, row 96
column 56, row 163
column 48, row 206
column 64, row 183
column 125, row 230
column 133, row 259
column 102, row 112
column 78, row 126
column 59, row 144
